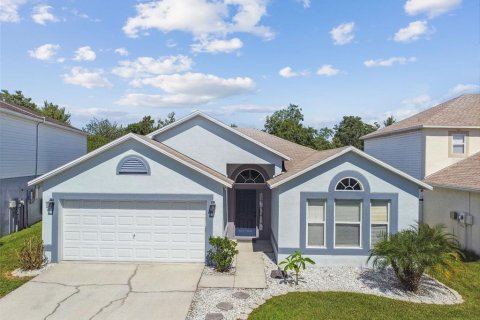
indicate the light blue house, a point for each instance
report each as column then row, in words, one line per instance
column 159, row 197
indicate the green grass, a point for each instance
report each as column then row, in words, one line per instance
column 8, row 257
column 341, row 305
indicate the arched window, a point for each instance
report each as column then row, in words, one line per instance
column 349, row 184
column 133, row 165
column 249, row 176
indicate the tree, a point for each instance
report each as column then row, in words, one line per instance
column 349, row 131
column 389, row 121
column 417, row 250
column 18, row 98
column 165, row 122
column 288, row 124
column 101, row 132
column 55, row 112
column 143, row 127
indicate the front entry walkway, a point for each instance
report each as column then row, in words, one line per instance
column 249, row 272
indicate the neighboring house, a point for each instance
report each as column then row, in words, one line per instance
column 160, row 197
column 30, row 145
column 430, row 140
column 455, row 201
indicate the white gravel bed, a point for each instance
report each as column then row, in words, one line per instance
column 348, row 279
column 20, row 273
column 210, row 270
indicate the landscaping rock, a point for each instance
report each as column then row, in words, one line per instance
column 241, row 295
column 225, row 306
column 276, row 274
column 214, row 316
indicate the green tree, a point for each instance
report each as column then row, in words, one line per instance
column 349, row 131
column 389, row 121
column 55, row 112
column 165, row 122
column 143, row 127
column 101, row 132
column 417, row 250
column 288, row 124
column 18, row 98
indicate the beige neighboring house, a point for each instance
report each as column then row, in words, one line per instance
column 440, row 145
column 455, row 201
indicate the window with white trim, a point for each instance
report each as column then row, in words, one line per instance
column 348, row 223
column 315, row 223
column 379, row 218
column 459, row 142
column 349, row 184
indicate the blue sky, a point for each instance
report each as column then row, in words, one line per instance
column 239, row 60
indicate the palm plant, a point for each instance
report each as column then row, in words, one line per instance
column 417, row 250
column 296, row 262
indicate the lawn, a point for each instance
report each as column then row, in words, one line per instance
column 8, row 258
column 340, row 305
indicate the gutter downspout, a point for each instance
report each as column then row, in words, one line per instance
column 36, row 148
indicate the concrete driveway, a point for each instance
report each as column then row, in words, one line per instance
column 105, row 291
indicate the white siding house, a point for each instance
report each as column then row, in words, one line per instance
column 30, row 145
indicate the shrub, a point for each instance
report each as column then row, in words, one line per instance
column 222, row 253
column 296, row 262
column 417, row 250
column 31, row 255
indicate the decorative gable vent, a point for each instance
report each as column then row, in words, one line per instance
column 133, row 165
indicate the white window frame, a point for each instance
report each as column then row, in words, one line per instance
column 464, row 144
column 358, row 181
column 347, row 223
column 389, row 203
column 324, row 224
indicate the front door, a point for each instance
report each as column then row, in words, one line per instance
column 246, row 213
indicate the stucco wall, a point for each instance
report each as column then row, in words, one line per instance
column 318, row 180
column 437, row 206
column 215, row 146
column 437, row 148
column 98, row 176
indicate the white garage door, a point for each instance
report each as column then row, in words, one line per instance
column 133, row 231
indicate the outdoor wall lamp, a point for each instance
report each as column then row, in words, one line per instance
column 211, row 209
column 50, row 206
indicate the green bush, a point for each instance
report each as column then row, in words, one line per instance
column 222, row 253
column 31, row 255
column 417, row 250
column 296, row 262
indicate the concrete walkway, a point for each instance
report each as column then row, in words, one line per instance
column 249, row 272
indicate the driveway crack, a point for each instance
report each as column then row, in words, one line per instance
column 77, row 290
column 129, row 283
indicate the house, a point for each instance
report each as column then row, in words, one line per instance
column 30, row 145
column 160, row 197
column 430, row 140
column 455, row 201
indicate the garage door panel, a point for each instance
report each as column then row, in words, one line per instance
column 134, row 231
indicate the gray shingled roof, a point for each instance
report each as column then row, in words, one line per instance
column 463, row 111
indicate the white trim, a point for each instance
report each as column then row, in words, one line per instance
column 371, row 223
column 324, row 224
column 413, row 128
column 360, row 153
column 113, row 144
column 221, row 124
column 37, row 118
column 454, row 187
column 347, row 223
column 247, row 183
column 341, row 179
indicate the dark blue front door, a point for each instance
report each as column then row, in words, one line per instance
column 246, row 213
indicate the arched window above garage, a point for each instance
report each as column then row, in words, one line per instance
column 133, row 165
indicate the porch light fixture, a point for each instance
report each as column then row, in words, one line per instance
column 50, row 206
column 211, row 209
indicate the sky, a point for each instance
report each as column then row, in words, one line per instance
column 240, row 60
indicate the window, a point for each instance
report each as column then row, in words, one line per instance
column 458, row 143
column 348, row 218
column 249, row 176
column 349, row 184
column 315, row 223
column 133, row 165
column 379, row 217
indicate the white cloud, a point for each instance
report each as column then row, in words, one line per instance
column 188, row 89
column 170, row 43
column 409, row 107
column 418, row 101
column 414, row 31
column 147, row 66
column 45, row 52
column 84, row 54
column 41, row 14
column 200, row 17
column 306, row 3
column 343, row 33
column 122, row 52
column 327, row 70
column 9, row 10
column 217, row 45
column 287, row 72
column 432, row 8
column 241, row 108
column 464, row 88
column 389, row 62
column 88, row 79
